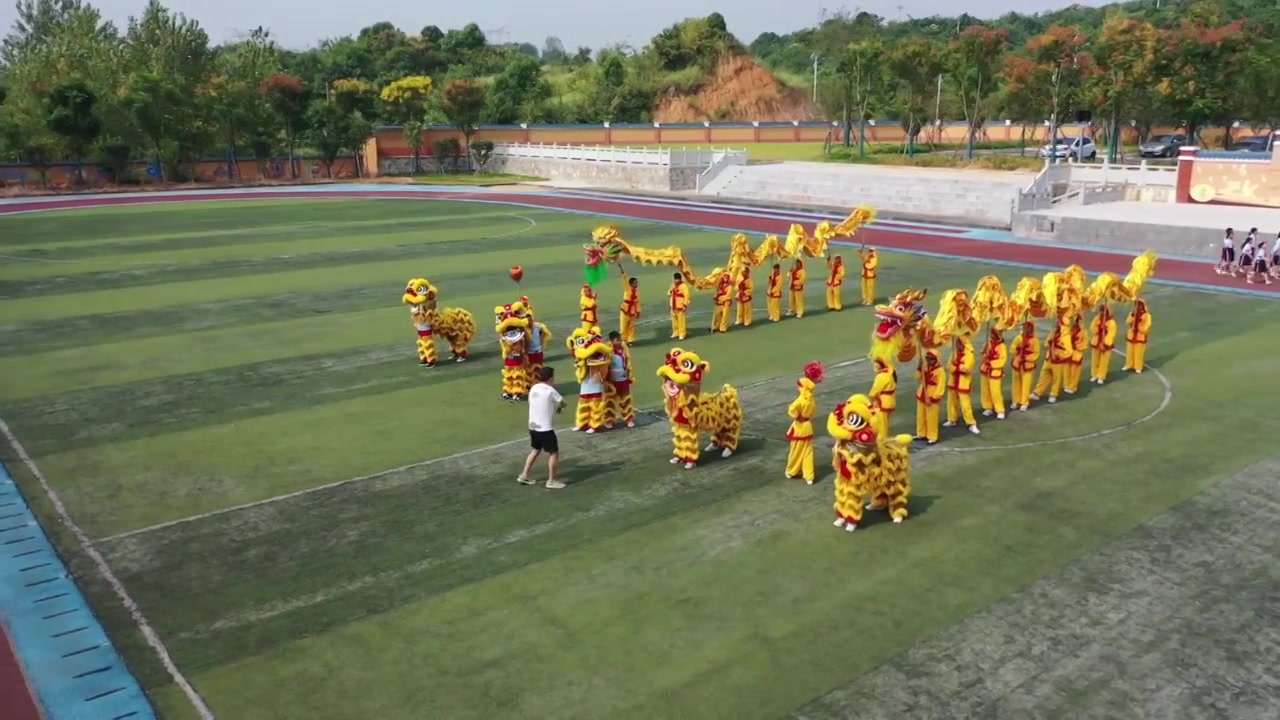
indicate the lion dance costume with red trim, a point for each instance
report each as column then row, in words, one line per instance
column 592, row 359
column 514, row 325
column 867, row 464
column 800, row 435
column 455, row 326
column 693, row 412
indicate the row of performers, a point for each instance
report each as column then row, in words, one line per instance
column 1061, row 372
column 734, row 287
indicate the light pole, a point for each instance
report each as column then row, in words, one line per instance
column 815, row 57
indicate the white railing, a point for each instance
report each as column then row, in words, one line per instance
column 723, row 159
column 1142, row 175
column 666, row 157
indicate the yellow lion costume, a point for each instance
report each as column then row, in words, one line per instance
column 454, row 325
column 867, row 464
column 693, row 412
column 592, row 359
column 514, row 324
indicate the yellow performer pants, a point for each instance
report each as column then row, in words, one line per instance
column 679, row 324
column 591, row 412
column 993, row 394
column 958, row 404
column 1071, row 376
column 868, row 291
column 775, row 308
column 927, row 421
column 1021, row 391
column 881, row 422
column 590, row 321
column 1100, row 364
column 800, row 460
column 720, row 318
column 894, row 496
column 1052, row 376
column 515, row 381
column 835, row 301
column 627, row 327
column 796, row 304
column 745, row 311
column 848, row 504
column 426, row 349
column 685, row 441
column 620, row 405
column 1135, row 356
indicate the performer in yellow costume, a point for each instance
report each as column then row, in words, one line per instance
column 455, row 326
column 746, row 292
column 513, row 324
column 795, row 301
column 629, row 311
column 884, row 396
column 1057, row 355
column 693, row 412
column 870, row 268
column 931, row 387
column 1026, row 355
column 1102, row 340
column 1075, row 366
column 995, row 357
column 722, row 303
column 1139, row 333
column 588, row 304
column 773, row 294
column 960, row 384
column 800, row 435
column 592, row 360
column 867, row 463
column 835, row 283
column 678, row 304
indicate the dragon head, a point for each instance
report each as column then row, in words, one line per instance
column 900, row 316
column 590, row 348
column 850, row 422
column 683, row 370
column 512, row 322
column 419, row 292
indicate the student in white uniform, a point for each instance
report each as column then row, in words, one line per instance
column 1260, row 273
column 1246, row 257
column 545, row 402
column 1275, row 256
column 1228, row 252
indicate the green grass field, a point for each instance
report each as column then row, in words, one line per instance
column 167, row 364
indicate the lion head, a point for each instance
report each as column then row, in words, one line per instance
column 682, row 371
column 419, row 293
column 591, row 350
column 850, row 422
column 512, row 322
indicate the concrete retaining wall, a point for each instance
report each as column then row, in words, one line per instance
column 980, row 198
column 622, row 176
column 1116, row 233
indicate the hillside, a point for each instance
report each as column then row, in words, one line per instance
column 740, row 89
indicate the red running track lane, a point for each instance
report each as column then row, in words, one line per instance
column 733, row 219
column 16, row 699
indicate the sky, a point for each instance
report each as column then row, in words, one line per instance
column 299, row 24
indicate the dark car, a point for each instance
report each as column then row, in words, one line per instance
column 1253, row 143
column 1162, row 146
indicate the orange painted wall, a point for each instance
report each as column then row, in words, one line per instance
column 1236, row 183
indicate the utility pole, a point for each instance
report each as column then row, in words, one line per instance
column 815, row 57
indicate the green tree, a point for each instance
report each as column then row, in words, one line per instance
column 1063, row 64
column 333, row 131
column 973, row 61
column 1124, row 56
column 71, row 117
column 1260, row 98
column 517, row 92
column 916, row 63
column 1196, row 66
column 463, row 104
column 237, row 111
column 289, row 98
column 864, row 85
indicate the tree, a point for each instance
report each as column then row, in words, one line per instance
column 553, row 51
column 407, row 98
column 464, row 44
column 333, row 131
column 156, row 107
column 1026, row 92
column 1124, row 57
column 1061, row 59
column 71, row 117
column 288, row 97
column 237, row 111
column 974, row 60
column 36, row 24
column 517, row 92
column 463, row 104
column 1261, row 101
column 864, row 86
column 1196, row 66
column 916, row 63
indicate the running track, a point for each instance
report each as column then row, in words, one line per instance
column 917, row 238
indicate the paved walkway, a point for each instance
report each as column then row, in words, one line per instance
column 1211, row 217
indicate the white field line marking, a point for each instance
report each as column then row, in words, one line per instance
column 153, row 638
column 376, row 475
column 532, row 224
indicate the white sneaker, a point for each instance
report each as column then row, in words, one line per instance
column 460, row 359
column 1034, row 396
column 850, row 526
column 675, row 461
column 726, row 453
column 809, row 482
column 631, row 423
column 576, row 429
column 710, row 447
column 999, row 416
column 555, row 485
column 974, row 429
column 839, row 522
column 1022, row 408
column 1053, row 399
column 948, row 424
column 591, row 431
column 525, row 481
column 689, row 465
column 987, row 413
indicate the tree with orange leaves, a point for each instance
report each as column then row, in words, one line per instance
column 1063, row 61
column 1197, row 65
column 1125, row 54
column 973, row 58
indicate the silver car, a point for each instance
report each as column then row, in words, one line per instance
column 1162, row 146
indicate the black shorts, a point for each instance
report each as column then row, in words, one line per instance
column 544, row 440
column 1228, row 255
column 1260, row 265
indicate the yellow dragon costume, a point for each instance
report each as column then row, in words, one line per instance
column 693, row 412
column 798, row 243
column 592, row 358
column 455, row 326
column 867, row 463
column 903, row 325
column 514, row 324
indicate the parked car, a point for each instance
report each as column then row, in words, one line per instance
column 1162, row 146
column 1081, row 148
column 1254, row 143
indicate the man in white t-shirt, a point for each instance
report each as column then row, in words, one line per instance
column 545, row 403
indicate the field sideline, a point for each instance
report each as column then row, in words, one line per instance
column 224, row 396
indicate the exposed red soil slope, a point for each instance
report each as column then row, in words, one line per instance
column 740, row 90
